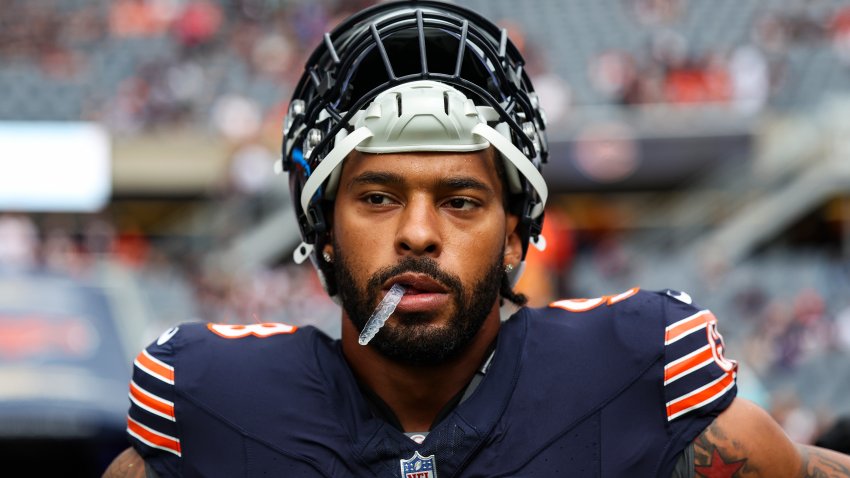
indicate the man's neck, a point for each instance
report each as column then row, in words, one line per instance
column 417, row 394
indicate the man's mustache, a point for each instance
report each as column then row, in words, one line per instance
column 420, row 265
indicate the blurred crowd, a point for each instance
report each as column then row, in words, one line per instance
column 799, row 348
column 173, row 62
column 231, row 65
column 670, row 69
column 176, row 286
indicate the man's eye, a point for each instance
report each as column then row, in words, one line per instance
column 459, row 203
column 377, row 199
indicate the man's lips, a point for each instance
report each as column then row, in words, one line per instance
column 421, row 294
column 416, row 283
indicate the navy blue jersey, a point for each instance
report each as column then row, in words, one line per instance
column 608, row 387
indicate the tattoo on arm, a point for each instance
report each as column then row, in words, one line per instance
column 717, row 455
column 745, row 442
column 713, row 457
column 820, row 463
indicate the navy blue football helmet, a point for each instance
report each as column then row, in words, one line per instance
column 412, row 76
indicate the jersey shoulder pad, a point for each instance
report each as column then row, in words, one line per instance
column 178, row 356
column 609, row 330
column 698, row 378
column 152, row 426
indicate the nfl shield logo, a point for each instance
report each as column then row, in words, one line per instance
column 418, row 466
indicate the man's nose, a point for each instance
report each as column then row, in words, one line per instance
column 418, row 229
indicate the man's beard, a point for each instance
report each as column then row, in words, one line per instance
column 411, row 339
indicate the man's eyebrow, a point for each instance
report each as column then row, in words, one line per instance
column 464, row 182
column 393, row 179
column 377, row 177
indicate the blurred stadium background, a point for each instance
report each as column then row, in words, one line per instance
column 701, row 145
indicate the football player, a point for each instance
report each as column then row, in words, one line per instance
column 414, row 144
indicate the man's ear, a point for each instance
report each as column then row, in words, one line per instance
column 328, row 248
column 513, row 242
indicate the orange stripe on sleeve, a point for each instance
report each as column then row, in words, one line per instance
column 687, row 325
column 688, row 364
column 154, row 367
column 700, row 396
column 153, row 438
column 151, row 402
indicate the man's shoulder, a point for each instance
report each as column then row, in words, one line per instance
column 209, row 332
column 202, row 380
column 205, row 341
column 634, row 306
column 202, row 359
column 595, row 337
column 646, row 325
column 662, row 335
